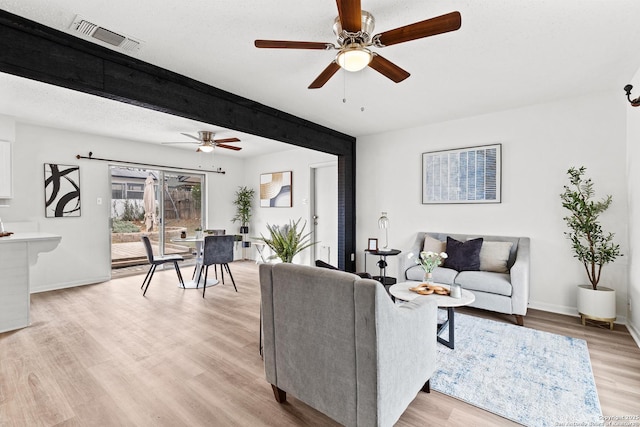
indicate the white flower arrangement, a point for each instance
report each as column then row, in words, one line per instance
column 430, row 260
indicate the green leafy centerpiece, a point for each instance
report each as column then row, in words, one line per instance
column 287, row 240
column 429, row 261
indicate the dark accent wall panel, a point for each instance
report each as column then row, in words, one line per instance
column 37, row 52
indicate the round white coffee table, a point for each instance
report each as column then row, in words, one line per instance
column 401, row 291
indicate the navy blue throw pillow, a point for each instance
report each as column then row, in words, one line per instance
column 463, row 256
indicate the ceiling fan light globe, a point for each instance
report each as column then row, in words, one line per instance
column 206, row 148
column 354, row 59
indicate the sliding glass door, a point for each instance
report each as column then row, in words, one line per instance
column 181, row 210
column 160, row 204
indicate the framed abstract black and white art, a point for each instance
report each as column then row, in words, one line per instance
column 61, row 190
column 464, row 175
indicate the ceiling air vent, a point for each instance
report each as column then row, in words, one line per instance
column 93, row 31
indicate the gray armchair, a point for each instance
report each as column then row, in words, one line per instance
column 338, row 343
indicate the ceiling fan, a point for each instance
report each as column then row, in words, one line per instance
column 353, row 28
column 206, row 143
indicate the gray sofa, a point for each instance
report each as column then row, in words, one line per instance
column 338, row 343
column 501, row 290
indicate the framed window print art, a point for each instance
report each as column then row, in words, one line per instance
column 464, row 175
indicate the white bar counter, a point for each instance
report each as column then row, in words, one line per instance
column 18, row 253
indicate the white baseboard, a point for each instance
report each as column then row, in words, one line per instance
column 635, row 333
column 553, row 308
column 64, row 285
column 569, row 311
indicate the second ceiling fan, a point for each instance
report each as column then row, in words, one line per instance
column 206, row 143
column 353, row 28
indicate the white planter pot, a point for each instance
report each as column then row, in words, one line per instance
column 597, row 305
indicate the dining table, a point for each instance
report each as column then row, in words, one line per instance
column 196, row 281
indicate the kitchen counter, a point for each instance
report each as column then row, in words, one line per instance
column 18, row 252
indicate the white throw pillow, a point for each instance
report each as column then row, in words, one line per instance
column 433, row 245
column 494, row 256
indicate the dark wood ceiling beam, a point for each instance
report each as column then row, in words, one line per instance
column 37, row 52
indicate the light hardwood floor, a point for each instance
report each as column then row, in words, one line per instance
column 103, row 355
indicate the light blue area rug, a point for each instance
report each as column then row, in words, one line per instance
column 531, row 377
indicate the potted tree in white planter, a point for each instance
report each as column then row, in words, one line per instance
column 591, row 245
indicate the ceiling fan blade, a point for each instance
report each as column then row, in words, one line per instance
column 388, row 68
column 230, row 147
column 325, row 75
column 218, row 141
column 191, row 136
column 350, row 13
column 430, row 27
column 287, row 44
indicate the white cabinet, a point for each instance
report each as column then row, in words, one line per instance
column 6, row 185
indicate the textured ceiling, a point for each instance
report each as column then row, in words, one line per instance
column 507, row 54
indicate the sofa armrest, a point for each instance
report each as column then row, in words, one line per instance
column 520, row 278
column 406, row 354
column 404, row 262
column 412, row 326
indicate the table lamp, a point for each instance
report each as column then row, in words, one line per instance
column 383, row 223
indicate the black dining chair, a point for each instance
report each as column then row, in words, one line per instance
column 218, row 250
column 215, row 232
column 155, row 261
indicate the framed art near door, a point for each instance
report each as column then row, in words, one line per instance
column 275, row 189
column 61, row 190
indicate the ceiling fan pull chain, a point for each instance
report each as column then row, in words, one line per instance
column 344, row 87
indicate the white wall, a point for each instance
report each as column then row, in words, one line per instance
column 83, row 255
column 299, row 161
column 633, row 164
column 539, row 144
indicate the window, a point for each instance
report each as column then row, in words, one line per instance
column 135, row 191
column 117, row 191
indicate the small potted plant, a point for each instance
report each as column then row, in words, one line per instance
column 243, row 201
column 286, row 241
column 591, row 245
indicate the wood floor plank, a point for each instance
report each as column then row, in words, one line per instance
column 105, row 355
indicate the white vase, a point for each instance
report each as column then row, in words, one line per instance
column 597, row 304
